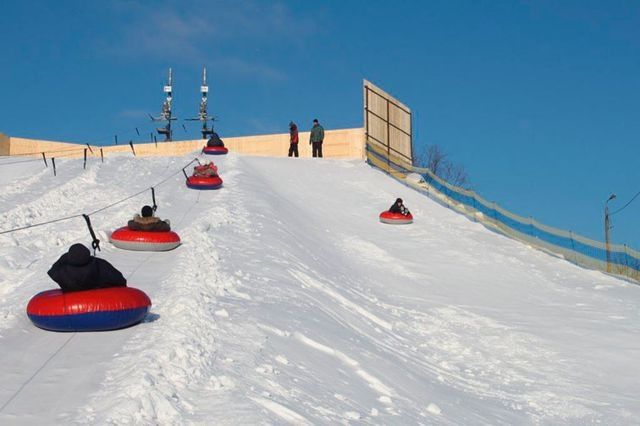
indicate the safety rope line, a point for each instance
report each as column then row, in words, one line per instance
column 40, row 224
column 100, row 209
column 36, row 373
column 67, row 154
column 24, row 154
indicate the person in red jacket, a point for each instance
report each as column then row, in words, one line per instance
column 293, row 139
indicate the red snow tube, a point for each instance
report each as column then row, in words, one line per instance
column 90, row 310
column 204, row 182
column 129, row 239
column 395, row 218
column 215, row 150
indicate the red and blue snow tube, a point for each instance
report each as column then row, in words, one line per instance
column 89, row 310
column 395, row 218
column 128, row 239
column 204, row 182
column 215, row 150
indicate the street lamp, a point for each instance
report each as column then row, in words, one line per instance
column 607, row 228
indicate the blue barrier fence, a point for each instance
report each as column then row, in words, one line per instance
column 616, row 259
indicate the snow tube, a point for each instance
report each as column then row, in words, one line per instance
column 90, row 310
column 395, row 218
column 129, row 239
column 204, row 182
column 215, row 150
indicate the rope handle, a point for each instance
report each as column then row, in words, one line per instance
column 96, row 242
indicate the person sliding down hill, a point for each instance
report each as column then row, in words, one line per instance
column 215, row 140
column 148, row 222
column 206, row 170
column 398, row 207
column 77, row 270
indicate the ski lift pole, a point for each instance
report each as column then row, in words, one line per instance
column 132, row 150
column 84, row 165
column 45, row 160
column 101, row 155
column 53, row 161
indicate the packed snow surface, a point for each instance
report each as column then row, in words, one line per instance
column 290, row 303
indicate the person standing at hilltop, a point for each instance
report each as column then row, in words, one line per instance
column 316, row 138
column 293, row 139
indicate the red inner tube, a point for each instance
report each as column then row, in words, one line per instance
column 204, row 180
column 56, row 302
column 89, row 310
column 126, row 234
column 215, row 149
column 395, row 216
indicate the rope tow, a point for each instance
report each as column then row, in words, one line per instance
column 87, row 215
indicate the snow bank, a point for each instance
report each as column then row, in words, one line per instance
column 289, row 303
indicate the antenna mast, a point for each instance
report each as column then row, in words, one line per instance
column 166, row 113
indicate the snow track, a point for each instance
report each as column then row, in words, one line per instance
column 289, row 303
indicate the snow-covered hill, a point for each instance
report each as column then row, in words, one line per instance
column 289, row 302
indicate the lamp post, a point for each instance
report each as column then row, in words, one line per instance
column 607, row 228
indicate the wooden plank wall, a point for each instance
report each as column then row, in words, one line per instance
column 341, row 143
column 382, row 109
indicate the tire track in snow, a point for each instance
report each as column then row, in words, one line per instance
column 281, row 411
column 346, row 303
column 372, row 381
column 452, row 362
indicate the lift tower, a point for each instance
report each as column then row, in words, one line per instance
column 166, row 114
column 203, row 115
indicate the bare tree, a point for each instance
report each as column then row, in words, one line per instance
column 456, row 175
column 432, row 157
column 435, row 159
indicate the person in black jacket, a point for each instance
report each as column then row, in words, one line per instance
column 398, row 207
column 215, row 140
column 148, row 222
column 77, row 270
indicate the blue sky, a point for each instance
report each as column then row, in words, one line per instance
column 539, row 100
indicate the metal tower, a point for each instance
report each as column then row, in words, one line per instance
column 203, row 115
column 166, row 113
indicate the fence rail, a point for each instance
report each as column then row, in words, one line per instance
column 621, row 260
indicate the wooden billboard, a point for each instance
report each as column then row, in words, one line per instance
column 387, row 125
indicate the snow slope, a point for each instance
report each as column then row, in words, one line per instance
column 289, row 302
